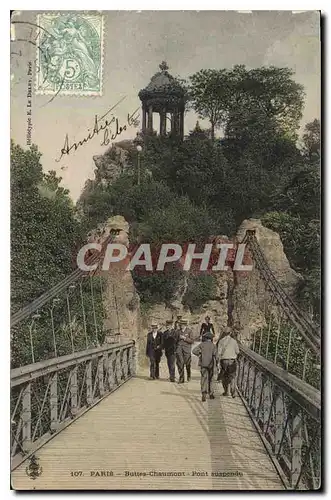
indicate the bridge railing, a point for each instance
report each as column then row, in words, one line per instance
column 308, row 330
column 49, row 395
column 288, row 337
column 67, row 318
column 286, row 412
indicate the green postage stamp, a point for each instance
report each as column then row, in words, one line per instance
column 69, row 53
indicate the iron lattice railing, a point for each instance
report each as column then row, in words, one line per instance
column 49, row 395
column 286, row 413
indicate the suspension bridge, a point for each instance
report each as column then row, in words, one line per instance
column 85, row 416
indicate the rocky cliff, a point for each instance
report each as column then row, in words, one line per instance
column 121, row 300
column 111, row 164
column 249, row 293
column 238, row 300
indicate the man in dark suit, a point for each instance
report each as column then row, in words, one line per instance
column 170, row 339
column 183, row 350
column 154, row 351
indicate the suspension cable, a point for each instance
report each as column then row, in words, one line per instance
column 307, row 329
column 59, row 287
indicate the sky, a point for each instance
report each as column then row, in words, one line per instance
column 134, row 44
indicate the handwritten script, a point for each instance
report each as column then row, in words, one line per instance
column 109, row 127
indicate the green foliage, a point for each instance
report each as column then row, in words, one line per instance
column 312, row 141
column 44, row 229
column 198, row 169
column 282, row 344
column 200, row 288
column 203, row 186
column 124, row 197
column 73, row 314
column 301, row 239
column 179, row 222
column 297, row 220
column 310, row 292
column 158, row 287
column 44, row 235
column 209, row 94
column 230, row 98
column 231, row 178
column 157, row 214
column 271, row 93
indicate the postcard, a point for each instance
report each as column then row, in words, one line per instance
column 165, row 250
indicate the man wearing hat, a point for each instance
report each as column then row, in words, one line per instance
column 228, row 350
column 154, row 350
column 170, row 339
column 177, row 322
column 183, row 350
column 207, row 353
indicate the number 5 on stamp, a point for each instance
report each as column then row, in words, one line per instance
column 69, row 54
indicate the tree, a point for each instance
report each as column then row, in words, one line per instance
column 44, row 229
column 229, row 98
column 312, row 141
column 268, row 92
column 209, row 95
column 198, row 133
column 301, row 194
column 297, row 219
column 179, row 221
column 44, row 237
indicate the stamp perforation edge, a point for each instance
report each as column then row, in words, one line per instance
column 73, row 93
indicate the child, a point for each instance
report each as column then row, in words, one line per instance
column 207, row 353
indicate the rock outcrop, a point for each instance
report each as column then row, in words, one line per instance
column 216, row 308
column 239, row 299
column 121, row 300
column 111, row 164
column 273, row 251
column 249, row 293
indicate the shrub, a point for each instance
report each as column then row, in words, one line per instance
column 201, row 287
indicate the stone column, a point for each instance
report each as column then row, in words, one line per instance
column 175, row 122
column 172, row 122
column 163, row 122
column 150, row 119
column 143, row 111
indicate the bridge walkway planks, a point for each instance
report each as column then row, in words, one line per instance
column 157, row 426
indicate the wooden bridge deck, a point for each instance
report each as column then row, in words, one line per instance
column 152, row 427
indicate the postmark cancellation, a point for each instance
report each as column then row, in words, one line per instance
column 70, row 53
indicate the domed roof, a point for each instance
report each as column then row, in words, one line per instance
column 162, row 83
column 160, row 79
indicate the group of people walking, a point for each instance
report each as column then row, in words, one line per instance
column 217, row 359
column 176, row 341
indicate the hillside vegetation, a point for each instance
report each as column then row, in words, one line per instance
column 249, row 162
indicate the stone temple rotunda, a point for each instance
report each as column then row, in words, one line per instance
column 163, row 95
